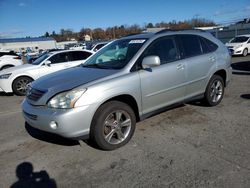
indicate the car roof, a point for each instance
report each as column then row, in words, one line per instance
column 139, row 36
column 62, row 51
column 243, row 36
column 164, row 32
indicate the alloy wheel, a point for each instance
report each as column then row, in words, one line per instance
column 117, row 127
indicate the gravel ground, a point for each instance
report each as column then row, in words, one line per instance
column 189, row 146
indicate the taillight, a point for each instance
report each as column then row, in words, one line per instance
column 17, row 57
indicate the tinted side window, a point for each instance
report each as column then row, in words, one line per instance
column 98, row 46
column 59, row 58
column 165, row 48
column 75, row 56
column 191, row 45
column 212, row 46
column 7, row 53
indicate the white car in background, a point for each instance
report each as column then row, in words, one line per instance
column 16, row 79
column 9, row 59
column 240, row 45
column 98, row 46
column 79, row 46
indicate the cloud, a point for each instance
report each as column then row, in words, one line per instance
column 12, row 33
column 247, row 8
column 231, row 12
column 22, row 4
column 225, row 12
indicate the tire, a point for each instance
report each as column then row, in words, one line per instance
column 113, row 125
column 214, row 91
column 245, row 52
column 19, row 85
column 6, row 66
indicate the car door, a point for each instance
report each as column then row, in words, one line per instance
column 162, row 85
column 58, row 61
column 200, row 60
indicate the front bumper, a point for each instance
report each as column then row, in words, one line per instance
column 6, row 85
column 236, row 51
column 71, row 123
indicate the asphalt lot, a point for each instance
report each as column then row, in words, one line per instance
column 189, row 146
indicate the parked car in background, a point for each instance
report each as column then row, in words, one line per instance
column 30, row 59
column 104, row 98
column 240, row 45
column 9, row 59
column 79, row 46
column 97, row 46
column 16, row 79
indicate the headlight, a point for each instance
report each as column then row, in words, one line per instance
column 5, row 76
column 240, row 45
column 66, row 99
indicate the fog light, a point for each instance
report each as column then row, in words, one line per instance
column 53, row 125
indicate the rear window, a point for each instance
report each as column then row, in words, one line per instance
column 191, row 45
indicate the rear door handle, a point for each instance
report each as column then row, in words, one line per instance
column 180, row 67
column 212, row 59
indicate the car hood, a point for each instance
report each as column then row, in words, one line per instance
column 19, row 68
column 234, row 44
column 66, row 80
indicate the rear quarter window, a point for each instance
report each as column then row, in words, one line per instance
column 207, row 45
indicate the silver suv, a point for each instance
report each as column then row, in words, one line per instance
column 126, row 81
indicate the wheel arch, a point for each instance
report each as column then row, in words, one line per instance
column 222, row 73
column 6, row 65
column 127, row 99
column 20, row 76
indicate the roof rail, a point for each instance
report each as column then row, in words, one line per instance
column 172, row 30
column 132, row 34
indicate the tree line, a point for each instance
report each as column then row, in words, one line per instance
column 123, row 30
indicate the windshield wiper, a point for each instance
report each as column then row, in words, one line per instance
column 94, row 66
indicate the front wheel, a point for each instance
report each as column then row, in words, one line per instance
column 214, row 91
column 19, row 85
column 245, row 52
column 113, row 125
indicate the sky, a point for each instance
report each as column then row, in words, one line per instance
column 21, row 18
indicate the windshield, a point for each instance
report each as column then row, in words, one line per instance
column 40, row 59
column 239, row 39
column 116, row 55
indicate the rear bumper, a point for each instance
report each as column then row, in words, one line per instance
column 229, row 75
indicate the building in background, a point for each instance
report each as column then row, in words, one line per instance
column 24, row 44
column 228, row 31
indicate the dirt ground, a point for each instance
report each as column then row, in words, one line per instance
column 189, row 146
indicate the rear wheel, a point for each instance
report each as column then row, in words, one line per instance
column 245, row 52
column 214, row 91
column 113, row 125
column 20, row 85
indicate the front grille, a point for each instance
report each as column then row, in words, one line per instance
column 30, row 116
column 34, row 94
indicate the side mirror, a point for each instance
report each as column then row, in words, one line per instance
column 150, row 61
column 47, row 63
